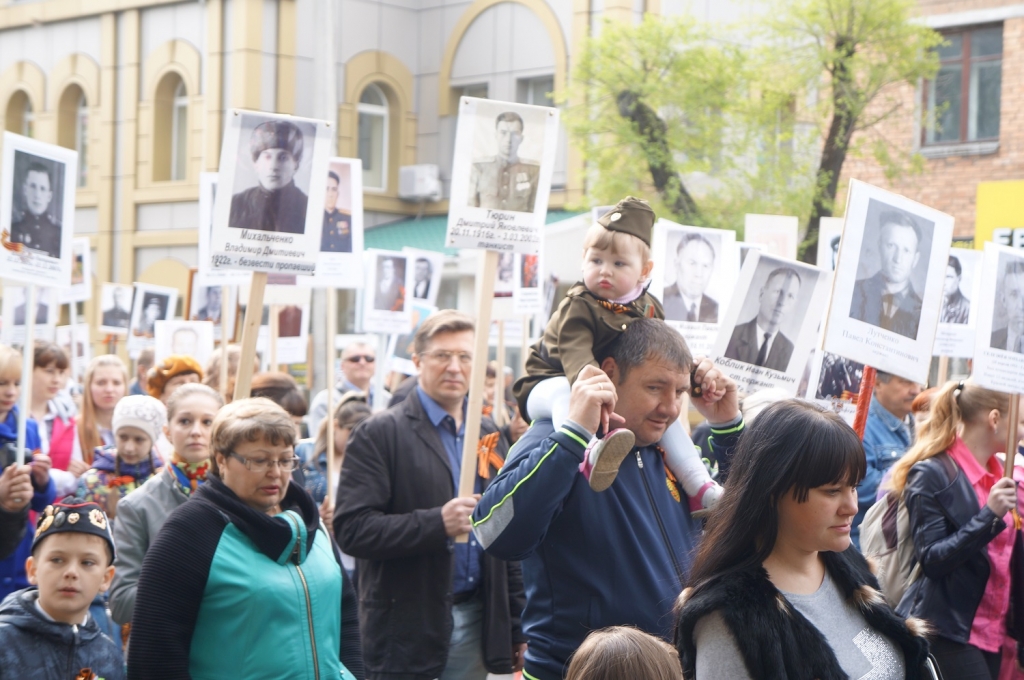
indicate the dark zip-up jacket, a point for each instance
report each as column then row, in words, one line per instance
column 227, row 591
column 951, row 536
column 590, row 560
column 32, row 646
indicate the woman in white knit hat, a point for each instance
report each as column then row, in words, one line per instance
column 118, row 470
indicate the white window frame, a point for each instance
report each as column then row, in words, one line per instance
column 383, row 113
column 28, row 116
column 179, row 108
column 82, row 139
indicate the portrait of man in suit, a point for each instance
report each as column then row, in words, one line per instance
column 760, row 341
column 42, row 313
column 118, row 314
column 423, row 272
column 211, row 309
column 389, row 295
column 1010, row 293
column 887, row 299
column 956, row 307
column 694, row 263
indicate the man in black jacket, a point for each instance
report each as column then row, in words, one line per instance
column 429, row 607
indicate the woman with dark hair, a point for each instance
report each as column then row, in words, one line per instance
column 54, row 417
column 774, row 591
column 959, row 503
column 352, row 410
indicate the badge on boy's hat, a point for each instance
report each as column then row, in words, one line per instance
column 631, row 216
column 72, row 515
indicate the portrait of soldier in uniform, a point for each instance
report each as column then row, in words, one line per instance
column 760, row 341
column 1010, row 295
column 887, row 299
column 337, row 234
column 956, row 307
column 211, row 309
column 36, row 226
column 694, row 262
column 117, row 315
column 506, row 181
column 154, row 308
column 275, row 203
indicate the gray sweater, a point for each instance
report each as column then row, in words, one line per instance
column 140, row 515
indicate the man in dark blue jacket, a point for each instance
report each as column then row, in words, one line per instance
column 620, row 557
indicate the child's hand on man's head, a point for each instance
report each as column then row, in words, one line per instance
column 15, row 488
column 41, row 465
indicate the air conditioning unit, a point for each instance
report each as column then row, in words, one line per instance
column 419, row 183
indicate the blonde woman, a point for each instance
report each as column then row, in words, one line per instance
column 106, row 382
column 958, row 501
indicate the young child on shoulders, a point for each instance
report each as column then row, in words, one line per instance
column 613, row 293
column 46, row 630
column 624, row 653
column 118, row 470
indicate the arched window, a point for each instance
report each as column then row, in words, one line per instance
column 73, row 127
column 20, row 117
column 373, row 137
column 170, row 129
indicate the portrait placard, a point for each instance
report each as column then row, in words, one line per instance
column 207, row 275
column 207, row 303
column 830, row 232
column 340, row 263
column 746, row 248
column 887, row 290
column 386, row 307
column 189, row 338
column 777, row 233
column 771, row 323
column 292, row 335
column 528, row 294
column 115, row 308
column 501, row 175
column 150, row 304
column 81, row 274
column 961, row 285
column 835, row 383
column 75, row 342
column 14, row 312
column 263, row 216
column 400, row 347
column 505, row 276
column 427, row 266
column 37, row 211
column 693, row 268
column 999, row 335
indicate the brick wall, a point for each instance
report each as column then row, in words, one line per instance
column 950, row 184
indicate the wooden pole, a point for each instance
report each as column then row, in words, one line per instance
column 224, row 340
column 332, row 329
column 524, row 349
column 867, row 388
column 1011, row 435
column 486, row 269
column 943, row 371
column 275, row 332
column 250, row 331
column 27, row 363
column 498, row 413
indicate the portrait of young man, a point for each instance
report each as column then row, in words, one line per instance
column 36, row 226
column 275, row 203
column 337, row 234
column 117, row 313
column 505, row 181
column 423, row 271
column 956, row 307
column 1010, row 296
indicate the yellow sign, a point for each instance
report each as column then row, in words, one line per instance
column 1000, row 214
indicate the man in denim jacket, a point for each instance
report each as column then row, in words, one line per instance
column 888, row 434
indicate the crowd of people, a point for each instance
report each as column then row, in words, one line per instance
column 160, row 529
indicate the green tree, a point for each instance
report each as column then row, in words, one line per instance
column 855, row 54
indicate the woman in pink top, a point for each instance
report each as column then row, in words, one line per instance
column 959, row 505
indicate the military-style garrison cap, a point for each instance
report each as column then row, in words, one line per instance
column 276, row 134
column 631, row 216
column 71, row 514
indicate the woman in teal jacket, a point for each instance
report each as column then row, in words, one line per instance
column 243, row 580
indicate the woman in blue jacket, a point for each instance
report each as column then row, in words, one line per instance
column 243, row 580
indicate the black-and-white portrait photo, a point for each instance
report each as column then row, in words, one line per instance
column 272, row 175
column 337, row 234
column 18, row 298
column 690, row 265
column 153, row 308
column 839, row 379
column 505, row 277
column 389, row 288
column 956, row 307
column 504, row 179
column 423, row 274
column 206, row 304
column 765, row 335
column 38, row 203
column 892, row 269
column 116, row 307
column 1008, row 308
column 188, row 338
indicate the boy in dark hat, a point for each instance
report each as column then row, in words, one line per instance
column 46, row 630
column 613, row 293
column 276, row 204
